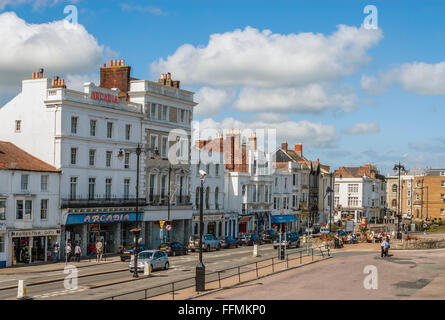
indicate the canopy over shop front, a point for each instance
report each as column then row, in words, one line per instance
column 283, row 219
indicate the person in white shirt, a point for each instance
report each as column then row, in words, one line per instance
column 77, row 251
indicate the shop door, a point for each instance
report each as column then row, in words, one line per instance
column 211, row 228
column 242, row 227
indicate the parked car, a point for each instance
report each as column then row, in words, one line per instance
column 209, row 242
column 173, row 248
column 229, row 242
column 269, row 236
column 291, row 239
column 157, row 259
column 126, row 253
column 250, row 239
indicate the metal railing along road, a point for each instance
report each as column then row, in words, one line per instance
column 217, row 277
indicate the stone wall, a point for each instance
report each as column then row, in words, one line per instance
column 417, row 244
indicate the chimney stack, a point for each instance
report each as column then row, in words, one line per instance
column 116, row 77
column 299, row 149
column 284, row 145
column 252, row 141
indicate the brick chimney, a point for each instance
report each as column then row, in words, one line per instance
column 299, row 149
column 166, row 80
column 284, row 145
column 252, row 141
column 116, row 75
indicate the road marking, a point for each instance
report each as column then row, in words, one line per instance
column 58, row 293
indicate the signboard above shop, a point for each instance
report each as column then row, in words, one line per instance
column 34, row 233
column 88, row 218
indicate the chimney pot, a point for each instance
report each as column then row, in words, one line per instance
column 169, row 76
column 111, row 63
column 118, row 63
column 63, row 82
column 122, row 62
column 105, row 65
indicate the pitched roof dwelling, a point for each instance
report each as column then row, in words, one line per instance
column 14, row 158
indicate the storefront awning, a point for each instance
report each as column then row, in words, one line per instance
column 244, row 219
column 283, row 219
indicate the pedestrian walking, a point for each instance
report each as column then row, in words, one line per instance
column 56, row 252
column 77, row 251
column 99, row 250
column 68, row 251
column 382, row 247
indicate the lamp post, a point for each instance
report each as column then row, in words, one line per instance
column 200, row 268
column 329, row 190
column 138, row 150
column 399, row 167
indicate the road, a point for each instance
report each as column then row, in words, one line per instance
column 98, row 286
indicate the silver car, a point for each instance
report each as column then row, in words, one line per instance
column 158, row 259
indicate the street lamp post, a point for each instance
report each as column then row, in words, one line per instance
column 136, row 231
column 399, row 167
column 329, row 190
column 200, row 268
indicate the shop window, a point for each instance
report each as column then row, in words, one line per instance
column 2, row 209
column 195, row 229
column 44, row 209
column 2, row 243
column 220, row 229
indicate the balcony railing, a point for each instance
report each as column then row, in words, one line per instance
column 158, row 200
column 101, row 202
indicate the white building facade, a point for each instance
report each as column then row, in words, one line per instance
column 29, row 208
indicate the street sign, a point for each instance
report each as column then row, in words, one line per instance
column 161, row 223
column 168, row 227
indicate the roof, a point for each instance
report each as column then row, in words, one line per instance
column 368, row 170
column 14, row 158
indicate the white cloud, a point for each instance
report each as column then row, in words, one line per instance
column 256, row 58
column 211, row 101
column 76, row 81
column 312, row 98
column 309, row 133
column 52, row 46
column 417, row 77
column 363, row 128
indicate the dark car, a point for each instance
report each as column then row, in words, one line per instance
column 126, row 253
column 269, row 236
column 291, row 239
column 229, row 242
column 173, row 248
column 250, row 239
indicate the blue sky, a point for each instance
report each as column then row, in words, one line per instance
column 395, row 116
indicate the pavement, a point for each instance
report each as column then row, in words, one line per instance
column 404, row 275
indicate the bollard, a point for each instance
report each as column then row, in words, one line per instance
column 147, row 269
column 21, row 293
column 255, row 250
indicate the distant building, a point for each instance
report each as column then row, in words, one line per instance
column 360, row 192
column 429, row 195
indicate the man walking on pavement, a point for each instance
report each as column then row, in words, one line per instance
column 99, row 248
column 384, row 246
column 68, row 251
column 56, row 252
column 77, row 251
